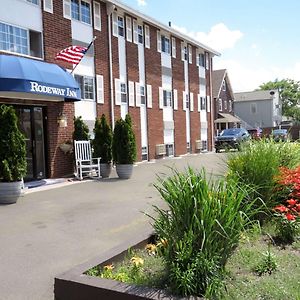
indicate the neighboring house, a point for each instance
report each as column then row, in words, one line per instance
column 223, row 101
column 137, row 65
column 259, row 108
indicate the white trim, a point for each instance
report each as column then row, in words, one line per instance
column 131, row 93
column 137, row 94
column 184, row 100
column 149, row 96
column 158, row 41
column 190, row 54
column 147, row 36
column 175, row 99
column 173, row 47
column 117, row 91
column 100, row 89
column 161, row 98
column 115, row 24
column 135, row 32
column 97, row 15
column 67, row 9
column 191, row 102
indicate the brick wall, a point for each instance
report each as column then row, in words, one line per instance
column 154, row 78
column 179, row 115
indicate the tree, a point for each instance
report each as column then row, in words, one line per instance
column 81, row 130
column 289, row 91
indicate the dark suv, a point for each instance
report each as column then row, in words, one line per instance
column 231, row 138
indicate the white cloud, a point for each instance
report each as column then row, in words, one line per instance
column 248, row 78
column 219, row 37
column 141, row 2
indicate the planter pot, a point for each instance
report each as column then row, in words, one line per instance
column 124, row 171
column 65, row 148
column 105, row 170
column 10, row 191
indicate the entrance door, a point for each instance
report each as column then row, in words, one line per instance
column 32, row 126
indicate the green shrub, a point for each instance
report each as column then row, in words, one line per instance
column 12, row 146
column 81, row 130
column 257, row 165
column 124, row 145
column 102, row 143
column 201, row 228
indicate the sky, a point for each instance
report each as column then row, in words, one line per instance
column 259, row 40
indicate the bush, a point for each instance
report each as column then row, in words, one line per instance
column 12, row 146
column 81, row 130
column 201, row 229
column 124, row 145
column 102, row 142
column 258, row 165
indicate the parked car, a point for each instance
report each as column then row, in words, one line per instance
column 231, row 138
column 255, row 133
column 280, row 135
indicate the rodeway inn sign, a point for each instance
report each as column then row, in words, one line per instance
column 52, row 91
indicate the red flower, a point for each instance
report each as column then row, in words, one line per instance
column 281, row 208
column 298, row 207
column 292, row 202
column 290, row 217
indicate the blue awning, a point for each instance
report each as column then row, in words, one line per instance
column 25, row 75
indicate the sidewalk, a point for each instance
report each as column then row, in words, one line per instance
column 50, row 231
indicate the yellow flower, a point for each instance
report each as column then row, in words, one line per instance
column 108, row 267
column 151, row 248
column 137, row 261
column 162, row 243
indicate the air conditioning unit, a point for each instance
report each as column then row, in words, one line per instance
column 160, row 149
column 198, row 144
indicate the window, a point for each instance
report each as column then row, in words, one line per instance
column 253, row 108
column 145, row 153
column 86, row 84
column 143, row 97
column 220, row 104
column 185, row 53
column 120, row 26
column 34, row 1
column 169, row 149
column 187, row 101
column 224, row 86
column 81, row 11
column 202, row 103
column 225, row 105
column 123, row 92
column 165, row 45
column 230, row 105
column 167, row 98
column 207, row 61
column 201, row 60
column 140, row 34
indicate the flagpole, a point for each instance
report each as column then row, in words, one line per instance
column 87, row 49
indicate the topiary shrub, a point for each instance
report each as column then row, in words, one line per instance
column 13, row 166
column 124, row 145
column 81, row 130
column 102, row 142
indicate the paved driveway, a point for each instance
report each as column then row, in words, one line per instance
column 48, row 232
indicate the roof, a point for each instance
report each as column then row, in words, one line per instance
column 254, row 95
column 218, row 77
column 160, row 25
column 227, row 118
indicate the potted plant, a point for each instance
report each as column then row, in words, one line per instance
column 81, row 130
column 124, row 147
column 66, row 147
column 102, row 145
column 12, row 156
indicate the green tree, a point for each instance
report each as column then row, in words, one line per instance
column 81, row 130
column 289, row 91
column 102, row 142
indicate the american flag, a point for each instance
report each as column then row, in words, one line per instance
column 72, row 54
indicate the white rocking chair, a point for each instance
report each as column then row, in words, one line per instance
column 84, row 160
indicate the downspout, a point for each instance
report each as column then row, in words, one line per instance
column 110, row 9
column 212, row 107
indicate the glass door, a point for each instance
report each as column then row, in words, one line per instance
column 32, row 126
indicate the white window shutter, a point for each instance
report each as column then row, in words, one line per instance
column 135, row 32
column 48, row 6
column 118, row 91
column 158, row 41
column 208, row 103
column 137, row 94
column 199, row 102
column 147, row 36
column 190, row 55
column 191, row 102
column 115, row 24
column 67, row 9
column 184, row 100
column 100, row 89
column 149, row 96
column 182, row 51
column 197, row 58
column 161, row 98
column 131, row 93
column 97, row 16
column 128, row 29
column 173, row 47
column 175, row 99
